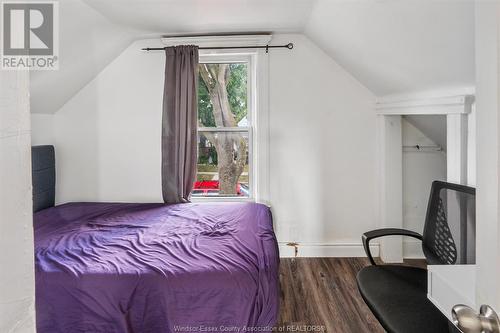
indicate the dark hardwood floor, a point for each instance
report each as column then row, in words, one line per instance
column 323, row 292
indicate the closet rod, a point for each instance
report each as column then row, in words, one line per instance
column 267, row 47
column 424, row 148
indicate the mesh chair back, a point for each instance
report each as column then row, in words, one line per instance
column 450, row 225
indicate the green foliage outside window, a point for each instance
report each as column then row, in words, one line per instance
column 237, row 96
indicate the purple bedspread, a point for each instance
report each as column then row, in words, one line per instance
column 107, row 268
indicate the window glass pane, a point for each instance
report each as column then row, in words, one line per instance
column 223, row 168
column 219, row 107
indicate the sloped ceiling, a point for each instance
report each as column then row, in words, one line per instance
column 202, row 16
column 398, row 46
column 390, row 46
column 433, row 127
column 87, row 43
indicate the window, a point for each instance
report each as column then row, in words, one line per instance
column 225, row 98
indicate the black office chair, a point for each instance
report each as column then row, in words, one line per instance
column 397, row 295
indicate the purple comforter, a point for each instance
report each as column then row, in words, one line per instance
column 107, row 268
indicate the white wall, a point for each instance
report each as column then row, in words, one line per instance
column 108, row 135
column 42, row 129
column 322, row 142
column 17, row 276
column 77, row 149
column 322, row 133
column 420, row 169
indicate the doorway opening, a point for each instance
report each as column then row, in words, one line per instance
column 423, row 161
column 420, row 141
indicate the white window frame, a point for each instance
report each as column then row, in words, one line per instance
column 258, row 104
column 249, row 61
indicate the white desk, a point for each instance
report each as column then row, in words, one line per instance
column 449, row 285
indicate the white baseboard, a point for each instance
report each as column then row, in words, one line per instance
column 316, row 250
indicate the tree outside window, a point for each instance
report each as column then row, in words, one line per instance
column 223, row 141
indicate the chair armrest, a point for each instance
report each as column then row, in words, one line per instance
column 368, row 236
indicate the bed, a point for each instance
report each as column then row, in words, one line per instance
column 131, row 267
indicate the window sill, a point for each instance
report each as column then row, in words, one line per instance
column 220, row 199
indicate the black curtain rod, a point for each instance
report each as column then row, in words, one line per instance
column 267, row 47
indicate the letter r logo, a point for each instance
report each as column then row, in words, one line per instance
column 28, row 28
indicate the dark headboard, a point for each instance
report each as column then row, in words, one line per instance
column 43, row 168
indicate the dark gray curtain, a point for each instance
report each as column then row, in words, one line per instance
column 179, row 123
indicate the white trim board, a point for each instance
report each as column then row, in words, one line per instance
column 318, row 250
column 438, row 105
column 224, row 41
